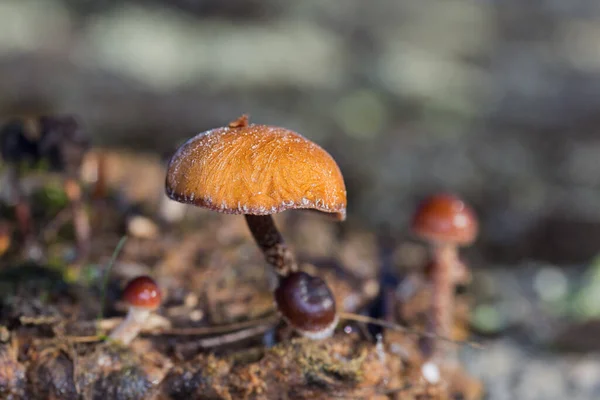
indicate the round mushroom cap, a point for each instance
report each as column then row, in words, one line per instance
column 255, row 169
column 307, row 303
column 445, row 218
column 142, row 292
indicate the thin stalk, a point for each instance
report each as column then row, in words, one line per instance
column 442, row 302
column 270, row 241
column 113, row 258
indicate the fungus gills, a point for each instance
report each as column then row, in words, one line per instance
column 270, row 241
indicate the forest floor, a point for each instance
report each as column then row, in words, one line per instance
column 217, row 334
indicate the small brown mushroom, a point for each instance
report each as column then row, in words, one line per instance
column 446, row 222
column 257, row 170
column 143, row 296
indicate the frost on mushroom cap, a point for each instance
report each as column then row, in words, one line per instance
column 142, row 292
column 255, row 169
column 445, row 218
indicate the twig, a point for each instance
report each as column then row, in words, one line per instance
column 72, row 339
column 113, row 258
column 212, row 330
column 229, row 338
column 400, row 328
column 84, row 339
column 41, row 320
column 257, row 327
column 156, row 326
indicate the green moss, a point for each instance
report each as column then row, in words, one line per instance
column 51, row 198
column 118, row 351
column 211, row 367
column 319, row 366
column 30, row 275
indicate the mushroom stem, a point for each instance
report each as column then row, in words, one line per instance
column 131, row 326
column 443, row 281
column 81, row 222
column 270, row 241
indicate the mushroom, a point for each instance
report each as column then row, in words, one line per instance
column 257, row 170
column 446, row 222
column 143, row 296
column 307, row 304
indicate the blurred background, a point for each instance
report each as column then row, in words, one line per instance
column 498, row 101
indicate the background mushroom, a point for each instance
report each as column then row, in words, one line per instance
column 63, row 145
column 446, row 222
column 60, row 142
column 18, row 147
column 257, row 170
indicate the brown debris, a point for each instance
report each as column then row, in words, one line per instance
column 51, row 375
column 241, row 122
column 213, row 276
column 12, row 372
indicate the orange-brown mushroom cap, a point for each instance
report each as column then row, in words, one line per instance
column 445, row 218
column 255, row 169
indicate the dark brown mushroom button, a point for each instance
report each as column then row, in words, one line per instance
column 307, row 304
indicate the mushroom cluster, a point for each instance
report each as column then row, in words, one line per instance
column 258, row 171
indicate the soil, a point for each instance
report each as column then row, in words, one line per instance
column 217, row 334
